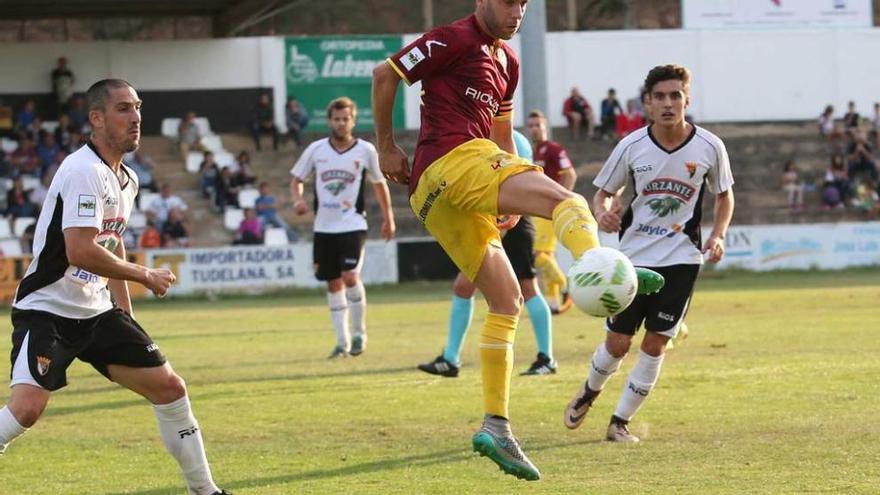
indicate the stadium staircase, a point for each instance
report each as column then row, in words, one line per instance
column 757, row 152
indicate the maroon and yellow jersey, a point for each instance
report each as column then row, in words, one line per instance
column 468, row 79
column 552, row 157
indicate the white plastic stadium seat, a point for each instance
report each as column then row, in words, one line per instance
column 226, row 159
column 137, row 221
column 275, row 237
column 20, row 224
column 6, row 184
column 29, row 182
column 8, row 145
column 10, row 247
column 204, row 126
column 49, row 125
column 147, row 197
column 232, row 218
column 212, row 143
column 247, row 198
column 193, row 161
column 5, row 229
column 169, row 127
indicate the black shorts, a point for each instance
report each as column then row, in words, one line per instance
column 337, row 253
column 112, row 337
column 519, row 243
column 661, row 312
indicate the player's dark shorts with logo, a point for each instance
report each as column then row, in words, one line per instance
column 53, row 342
column 337, row 253
column 660, row 312
column 519, row 243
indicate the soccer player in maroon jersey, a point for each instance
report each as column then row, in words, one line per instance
column 466, row 173
column 554, row 159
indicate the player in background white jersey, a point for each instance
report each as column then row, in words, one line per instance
column 671, row 164
column 339, row 163
column 64, row 307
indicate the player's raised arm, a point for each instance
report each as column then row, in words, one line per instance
column 392, row 158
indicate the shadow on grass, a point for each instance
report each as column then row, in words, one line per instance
column 103, row 406
column 410, row 461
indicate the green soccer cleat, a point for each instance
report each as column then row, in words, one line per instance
column 496, row 441
column 649, row 281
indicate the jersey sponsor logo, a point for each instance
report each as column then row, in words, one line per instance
column 412, row 58
column 335, row 187
column 432, row 43
column 336, row 174
column 84, row 276
column 656, row 230
column 482, row 97
column 86, row 205
column 640, row 169
column 43, row 365
column 111, row 201
column 676, row 193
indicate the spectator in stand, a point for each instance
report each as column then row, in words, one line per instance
column 25, row 118
column 63, row 132
column 175, row 232
column 264, row 121
column 17, row 202
column 792, row 185
column 860, row 157
column 629, row 121
column 875, row 126
column 851, row 119
column 79, row 115
column 35, row 131
column 267, row 210
column 27, row 238
column 208, row 172
column 62, row 84
column 150, row 238
column 826, row 122
column 243, row 159
column 188, row 136
column 837, row 177
column 297, row 119
column 867, row 199
column 638, row 102
column 47, row 150
column 225, row 191
column 164, row 203
column 244, row 176
column 610, row 108
column 250, row 230
column 24, row 159
column 38, row 194
column 578, row 112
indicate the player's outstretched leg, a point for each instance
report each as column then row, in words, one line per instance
column 26, row 405
column 639, row 384
column 602, row 367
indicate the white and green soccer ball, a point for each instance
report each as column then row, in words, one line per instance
column 602, row 282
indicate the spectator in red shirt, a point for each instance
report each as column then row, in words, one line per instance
column 578, row 112
column 629, row 121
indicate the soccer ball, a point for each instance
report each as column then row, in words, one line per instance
column 602, row 282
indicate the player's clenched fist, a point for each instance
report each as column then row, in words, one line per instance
column 394, row 164
column 159, row 280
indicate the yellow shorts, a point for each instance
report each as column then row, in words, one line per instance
column 545, row 236
column 457, row 200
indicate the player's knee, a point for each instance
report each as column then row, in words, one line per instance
column 173, row 388
column 350, row 279
column 654, row 344
column 618, row 344
column 28, row 411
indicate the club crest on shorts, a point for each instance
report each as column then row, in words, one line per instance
column 43, row 365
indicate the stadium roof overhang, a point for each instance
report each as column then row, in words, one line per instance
column 230, row 16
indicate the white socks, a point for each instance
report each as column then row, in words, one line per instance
column 357, row 304
column 9, row 428
column 183, row 439
column 602, row 367
column 339, row 315
column 638, row 385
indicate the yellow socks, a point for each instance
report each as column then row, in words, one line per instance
column 496, row 361
column 575, row 226
column 554, row 279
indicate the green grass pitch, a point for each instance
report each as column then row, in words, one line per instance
column 777, row 390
